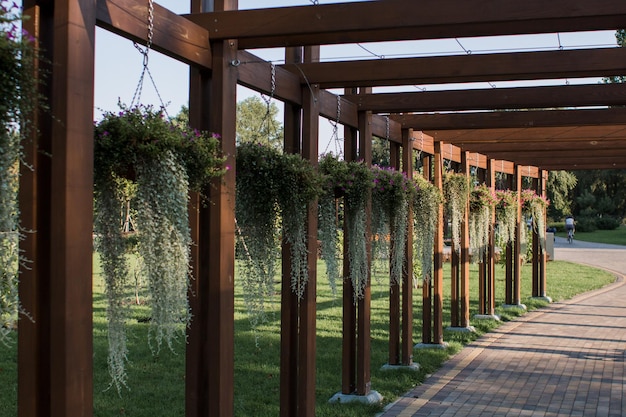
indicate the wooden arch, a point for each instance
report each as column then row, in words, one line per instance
column 55, row 350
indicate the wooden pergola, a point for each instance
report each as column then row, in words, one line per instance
column 570, row 127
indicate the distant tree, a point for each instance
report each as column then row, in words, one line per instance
column 559, row 186
column 620, row 36
column 257, row 122
column 380, row 152
column 608, row 189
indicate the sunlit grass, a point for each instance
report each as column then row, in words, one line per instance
column 157, row 382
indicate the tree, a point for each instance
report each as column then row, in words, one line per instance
column 559, row 186
column 256, row 122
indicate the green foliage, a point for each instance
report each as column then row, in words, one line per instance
column 506, row 216
column 273, row 189
column 558, row 188
column 456, row 195
column 534, row 207
column 586, row 224
column 482, row 203
column 142, row 158
column 426, row 204
column 607, row 223
column 18, row 98
column 257, row 123
column 600, row 193
column 352, row 182
column 390, row 201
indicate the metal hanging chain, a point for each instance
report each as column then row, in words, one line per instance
column 145, row 53
column 335, row 124
column 267, row 119
column 387, row 128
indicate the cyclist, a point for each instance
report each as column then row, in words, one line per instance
column 570, row 227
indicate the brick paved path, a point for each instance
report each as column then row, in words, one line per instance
column 565, row 360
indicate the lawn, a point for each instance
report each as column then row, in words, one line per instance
column 156, row 382
column 615, row 237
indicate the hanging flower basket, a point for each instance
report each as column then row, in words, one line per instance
column 534, row 207
column 273, row 190
column 138, row 149
column 506, row 216
column 352, row 182
column 390, row 201
column 456, row 195
column 426, row 203
column 482, row 205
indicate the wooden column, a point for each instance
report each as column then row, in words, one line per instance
column 210, row 353
column 437, row 285
column 427, row 292
column 297, row 391
column 536, row 261
column 490, row 255
column 407, row 276
column 349, row 343
column 517, row 246
column 394, row 287
column 289, row 301
column 541, row 267
column 55, row 349
column 465, row 252
column 363, row 378
column 510, row 259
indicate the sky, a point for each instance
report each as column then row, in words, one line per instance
column 118, row 65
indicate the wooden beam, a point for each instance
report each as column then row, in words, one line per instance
column 494, row 99
column 173, row 36
column 537, row 65
column 399, row 20
column 513, row 119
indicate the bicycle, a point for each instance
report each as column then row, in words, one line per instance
column 570, row 236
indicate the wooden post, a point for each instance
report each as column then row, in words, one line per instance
column 536, row 247
column 394, row 287
column 427, row 296
column 438, row 259
column 210, row 352
column 289, row 300
column 542, row 256
column 465, row 252
column 349, row 348
column 517, row 248
column 55, row 348
column 363, row 382
column 510, row 259
column 490, row 259
column 407, row 277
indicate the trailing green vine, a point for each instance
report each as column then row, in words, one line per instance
column 141, row 156
column 390, row 202
column 353, row 182
column 19, row 97
column 506, row 216
column 456, row 195
column 482, row 205
column 273, row 191
column 425, row 213
column 534, row 207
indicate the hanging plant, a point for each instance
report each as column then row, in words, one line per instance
column 19, row 97
column 163, row 161
column 456, row 194
column 390, row 202
column 426, row 203
column 506, row 216
column 273, row 189
column 534, row 208
column 482, row 204
column 353, row 182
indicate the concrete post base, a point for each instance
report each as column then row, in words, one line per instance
column 373, row 397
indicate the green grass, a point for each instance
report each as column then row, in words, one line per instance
column 615, row 237
column 157, row 382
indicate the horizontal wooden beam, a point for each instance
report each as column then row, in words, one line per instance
column 173, row 36
column 400, row 19
column 494, row 98
column 513, row 119
column 602, row 62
